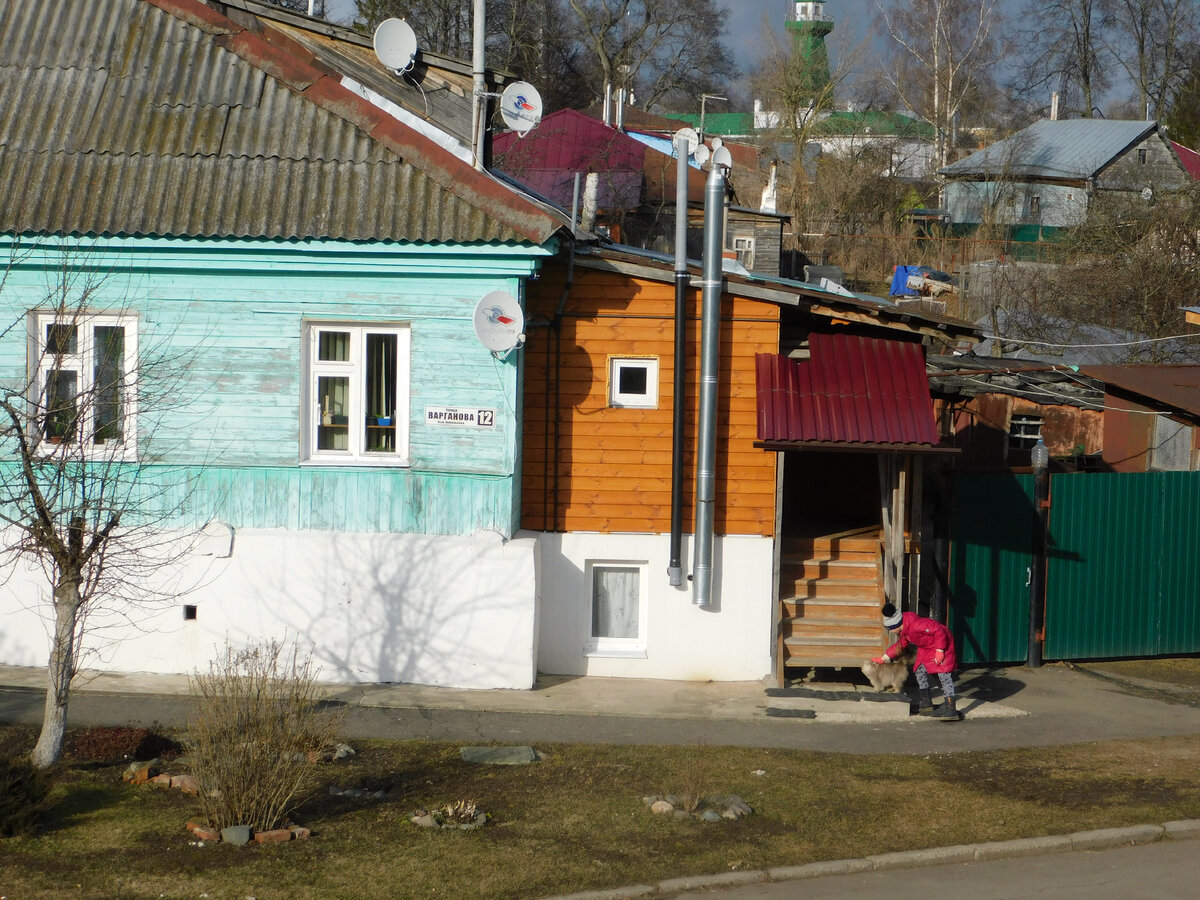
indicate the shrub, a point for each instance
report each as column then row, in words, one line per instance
column 23, row 796
column 255, row 735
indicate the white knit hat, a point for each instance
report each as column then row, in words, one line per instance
column 891, row 616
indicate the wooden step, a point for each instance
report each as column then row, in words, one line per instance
column 833, row 589
column 854, row 611
column 843, row 569
column 860, row 551
column 829, row 651
column 808, row 629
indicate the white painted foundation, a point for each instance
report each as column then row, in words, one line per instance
column 730, row 641
column 420, row 609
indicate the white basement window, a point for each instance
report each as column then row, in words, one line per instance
column 616, row 609
column 356, row 393
column 633, row 382
column 85, row 370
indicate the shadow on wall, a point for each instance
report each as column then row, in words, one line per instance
column 423, row 609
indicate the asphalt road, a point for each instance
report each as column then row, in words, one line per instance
column 1166, row 870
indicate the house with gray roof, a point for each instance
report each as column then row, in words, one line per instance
column 1048, row 175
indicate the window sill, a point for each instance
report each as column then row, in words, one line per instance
column 356, row 462
column 597, row 653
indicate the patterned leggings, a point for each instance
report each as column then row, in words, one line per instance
column 944, row 678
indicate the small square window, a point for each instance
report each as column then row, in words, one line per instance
column 1024, row 432
column 1141, row 157
column 633, row 383
column 616, row 608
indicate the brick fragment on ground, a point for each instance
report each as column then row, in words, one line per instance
column 274, row 836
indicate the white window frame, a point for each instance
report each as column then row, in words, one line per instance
column 627, row 647
column 83, row 361
column 354, row 370
column 626, row 400
column 744, row 248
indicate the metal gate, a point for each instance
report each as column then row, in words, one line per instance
column 1122, row 564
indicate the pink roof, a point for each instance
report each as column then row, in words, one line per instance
column 1189, row 158
column 851, row 390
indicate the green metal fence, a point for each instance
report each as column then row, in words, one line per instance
column 1123, row 566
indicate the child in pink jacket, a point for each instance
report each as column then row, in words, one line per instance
column 935, row 656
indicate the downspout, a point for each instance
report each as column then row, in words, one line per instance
column 479, row 108
column 710, row 345
column 675, row 565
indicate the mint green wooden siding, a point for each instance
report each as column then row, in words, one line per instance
column 231, row 316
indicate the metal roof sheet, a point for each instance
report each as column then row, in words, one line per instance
column 851, row 390
column 1055, row 148
column 164, row 117
column 1174, row 386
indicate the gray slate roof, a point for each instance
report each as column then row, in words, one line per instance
column 166, row 118
column 1062, row 148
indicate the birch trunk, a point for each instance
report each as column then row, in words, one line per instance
column 60, row 671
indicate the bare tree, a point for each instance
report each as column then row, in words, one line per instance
column 945, row 53
column 1066, row 51
column 79, row 495
column 1150, row 39
column 666, row 51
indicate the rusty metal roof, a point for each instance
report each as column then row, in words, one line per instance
column 164, row 117
column 1172, row 387
column 852, row 390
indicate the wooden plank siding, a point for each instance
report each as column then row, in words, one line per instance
column 587, row 466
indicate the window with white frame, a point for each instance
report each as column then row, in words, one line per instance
column 744, row 248
column 356, row 393
column 633, row 382
column 84, row 368
column 616, row 608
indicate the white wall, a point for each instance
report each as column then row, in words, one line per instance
column 451, row 611
column 731, row 641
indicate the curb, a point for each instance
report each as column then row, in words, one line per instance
column 1098, row 839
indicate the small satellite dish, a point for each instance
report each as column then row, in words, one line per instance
column 521, row 106
column 499, row 321
column 395, row 44
column 701, row 154
column 689, row 135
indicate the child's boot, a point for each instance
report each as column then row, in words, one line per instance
column 947, row 712
column 925, row 702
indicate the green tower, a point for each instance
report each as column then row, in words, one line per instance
column 809, row 25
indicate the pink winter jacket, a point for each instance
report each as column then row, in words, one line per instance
column 927, row 635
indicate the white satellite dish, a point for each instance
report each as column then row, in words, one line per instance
column 499, row 321
column 689, row 135
column 701, row 154
column 521, row 106
column 395, row 44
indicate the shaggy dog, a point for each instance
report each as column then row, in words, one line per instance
column 888, row 676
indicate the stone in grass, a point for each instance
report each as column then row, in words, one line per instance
column 236, row 835
column 499, row 756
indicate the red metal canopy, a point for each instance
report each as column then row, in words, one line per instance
column 851, row 390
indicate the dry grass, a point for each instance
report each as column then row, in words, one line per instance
column 575, row 821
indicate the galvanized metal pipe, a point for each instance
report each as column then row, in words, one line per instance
column 479, row 107
column 710, row 345
column 675, row 564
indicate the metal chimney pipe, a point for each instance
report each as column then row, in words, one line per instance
column 479, row 106
column 710, row 345
column 675, row 565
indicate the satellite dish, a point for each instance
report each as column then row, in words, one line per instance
column 689, row 135
column 701, row 155
column 395, row 44
column 521, row 106
column 499, row 321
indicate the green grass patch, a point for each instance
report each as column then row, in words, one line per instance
column 575, row 820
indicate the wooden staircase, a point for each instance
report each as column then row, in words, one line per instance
column 830, row 593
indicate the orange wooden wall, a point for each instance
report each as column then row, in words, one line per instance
column 613, row 466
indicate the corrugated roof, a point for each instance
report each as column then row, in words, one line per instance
column 851, row 390
column 1176, row 387
column 1189, row 157
column 163, row 117
column 1055, row 148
